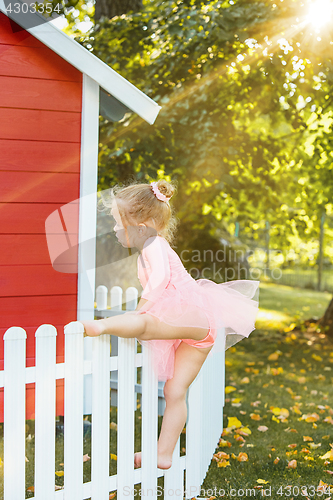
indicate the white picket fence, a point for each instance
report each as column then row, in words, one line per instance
column 203, row 427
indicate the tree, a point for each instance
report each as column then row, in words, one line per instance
column 112, row 8
column 243, row 88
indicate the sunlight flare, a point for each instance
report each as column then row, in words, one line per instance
column 320, row 13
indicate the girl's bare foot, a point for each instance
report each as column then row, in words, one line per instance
column 162, row 462
column 93, row 328
column 137, row 460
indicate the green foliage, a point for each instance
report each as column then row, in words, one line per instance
column 244, row 89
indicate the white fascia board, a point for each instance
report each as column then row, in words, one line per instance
column 89, row 64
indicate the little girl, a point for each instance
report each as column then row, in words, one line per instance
column 179, row 318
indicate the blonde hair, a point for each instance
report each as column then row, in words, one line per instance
column 138, row 204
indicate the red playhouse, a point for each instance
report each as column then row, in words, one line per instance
column 52, row 93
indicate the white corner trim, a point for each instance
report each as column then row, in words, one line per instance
column 89, row 64
column 88, row 198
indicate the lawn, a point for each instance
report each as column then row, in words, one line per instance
column 280, row 381
column 278, row 419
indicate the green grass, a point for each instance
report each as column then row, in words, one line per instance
column 252, row 374
column 300, row 380
column 305, row 278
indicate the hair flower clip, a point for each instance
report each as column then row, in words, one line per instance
column 157, row 192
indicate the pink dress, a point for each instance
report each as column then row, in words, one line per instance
column 228, row 309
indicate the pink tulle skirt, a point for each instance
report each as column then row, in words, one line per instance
column 229, row 309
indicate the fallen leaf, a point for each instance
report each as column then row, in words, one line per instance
column 223, row 463
column 244, row 431
column 328, row 455
column 221, row 455
column 276, row 460
column 113, row 457
column 328, row 471
column 112, row 495
column 229, row 388
column 223, row 443
column 242, row 457
column 59, row 473
column 310, row 417
column 273, row 357
column 262, row 428
column 31, row 489
column 86, row 457
column 292, row 464
column 234, row 422
column 262, row 481
column 314, row 445
column 307, row 438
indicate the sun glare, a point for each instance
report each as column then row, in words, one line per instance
column 320, row 13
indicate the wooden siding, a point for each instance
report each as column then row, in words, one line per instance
column 40, row 134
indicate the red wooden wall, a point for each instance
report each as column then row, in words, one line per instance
column 40, row 133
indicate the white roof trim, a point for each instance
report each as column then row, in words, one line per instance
column 89, row 64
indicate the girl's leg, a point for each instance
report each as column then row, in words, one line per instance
column 188, row 361
column 142, row 326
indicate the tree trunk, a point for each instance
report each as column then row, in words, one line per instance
column 327, row 320
column 112, row 8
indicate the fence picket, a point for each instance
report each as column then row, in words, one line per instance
column 205, row 412
column 73, row 422
column 45, row 411
column 100, row 445
column 14, row 413
column 125, row 435
column 149, row 405
column 101, row 297
column 193, row 438
column 174, row 477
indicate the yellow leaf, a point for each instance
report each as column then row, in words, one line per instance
column 223, row 443
column 229, row 389
column 223, row 463
column 316, row 357
column 292, row 464
column 31, row 489
column 234, row 422
column 310, row 417
column 314, row 445
column 275, row 419
column 60, row 473
column 273, row 357
column 113, row 457
column 307, row 438
column 245, row 380
column 112, row 495
column 255, row 416
column 262, row 481
column 242, row 457
column 328, row 455
column 243, row 431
